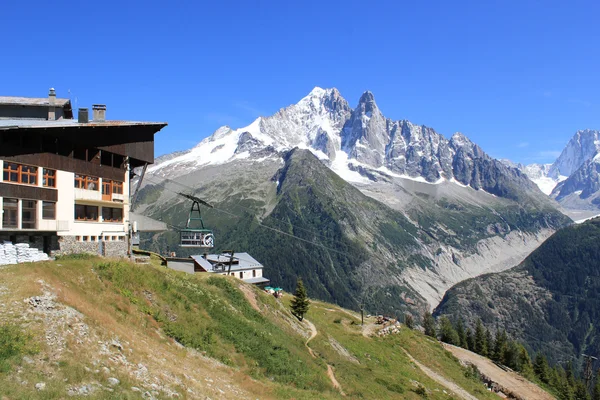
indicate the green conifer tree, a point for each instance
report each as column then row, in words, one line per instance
column 524, row 365
column 596, row 392
column 300, row 302
column 470, row 340
column 462, row 335
column 540, row 367
column 447, row 332
column 500, row 347
column 480, row 345
column 429, row 324
column 489, row 343
column 581, row 392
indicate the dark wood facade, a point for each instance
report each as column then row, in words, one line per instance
column 135, row 141
column 28, row 192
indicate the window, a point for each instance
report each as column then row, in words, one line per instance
column 117, row 187
column 28, row 214
column 49, row 178
column 19, row 173
column 110, row 214
column 48, row 210
column 86, row 182
column 78, row 238
column 241, row 275
column 254, row 273
column 85, row 239
column 114, row 238
column 9, row 215
column 92, row 238
column 86, row 213
column 121, row 238
column 106, row 238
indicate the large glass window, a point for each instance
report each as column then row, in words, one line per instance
column 86, row 182
column 49, row 178
column 110, row 214
column 10, row 213
column 86, row 213
column 48, row 210
column 19, row 173
column 28, row 214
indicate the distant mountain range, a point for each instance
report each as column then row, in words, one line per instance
column 573, row 179
column 413, row 211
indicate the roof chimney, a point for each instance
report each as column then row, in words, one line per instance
column 99, row 112
column 83, row 116
column 51, row 108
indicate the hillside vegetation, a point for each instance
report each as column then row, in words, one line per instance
column 110, row 329
column 551, row 301
column 301, row 219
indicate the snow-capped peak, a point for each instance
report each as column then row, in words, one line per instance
column 584, row 145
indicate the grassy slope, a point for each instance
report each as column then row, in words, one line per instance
column 249, row 353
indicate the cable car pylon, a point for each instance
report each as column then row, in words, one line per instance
column 198, row 236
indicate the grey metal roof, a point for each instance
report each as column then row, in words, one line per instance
column 18, row 123
column 208, row 267
column 242, row 262
column 32, row 101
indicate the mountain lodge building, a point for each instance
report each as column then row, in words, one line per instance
column 64, row 186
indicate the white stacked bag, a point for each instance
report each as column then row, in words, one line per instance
column 20, row 253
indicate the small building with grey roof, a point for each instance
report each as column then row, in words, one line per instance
column 241, row 265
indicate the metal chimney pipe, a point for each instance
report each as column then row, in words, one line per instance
column 83, row 116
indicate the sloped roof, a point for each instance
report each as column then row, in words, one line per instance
column 18, row 123
column 147, row 224
column 207, row 266
column 32, row 101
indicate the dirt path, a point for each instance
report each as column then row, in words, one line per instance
column 313, row 333
column 510, row 380
column 334, row 381
column 463, row 394
column 330, row 374
column 250, row 296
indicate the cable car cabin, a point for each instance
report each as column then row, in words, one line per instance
column 196, row 237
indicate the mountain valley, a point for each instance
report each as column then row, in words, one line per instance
column 383, row 212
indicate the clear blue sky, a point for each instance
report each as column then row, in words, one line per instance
column 517, row 77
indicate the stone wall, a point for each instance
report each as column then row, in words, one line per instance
column 70, row 245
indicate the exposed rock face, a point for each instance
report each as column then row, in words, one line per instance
column 550, row 298
column 583, row 146
column 444, row 210
column 360, row 139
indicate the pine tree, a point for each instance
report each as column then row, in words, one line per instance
column 429, row 324
column 447, row 332
column 480, row 346
column 462, row 335
column 489, row 343
column 540, row 367
column 511, row 355
column 596, row 394
column 500, row 346
column 300, row 302
column 581, row 392
column 470, row 340
column 408, row 321
column 524, row 365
